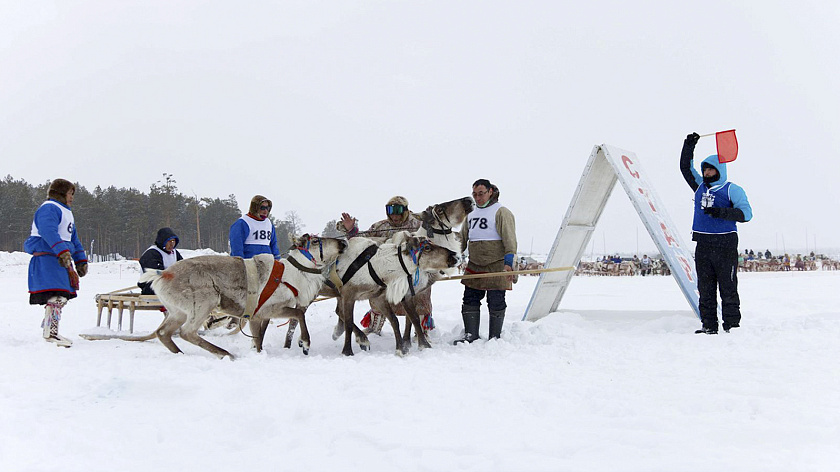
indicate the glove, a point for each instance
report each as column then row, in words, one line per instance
column 692, row 139
column 82, row 268
column 65, row 260
column 74, row 279
column 732, row 214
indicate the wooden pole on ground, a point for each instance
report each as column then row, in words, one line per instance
column 510, row 272
column 488, row 274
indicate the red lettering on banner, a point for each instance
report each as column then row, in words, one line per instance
column 667, row 233
column 686, row 268
column 628, row 163
column 646, row 194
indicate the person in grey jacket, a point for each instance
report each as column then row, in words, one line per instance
column 489, row 234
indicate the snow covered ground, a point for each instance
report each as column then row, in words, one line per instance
column 615, row 381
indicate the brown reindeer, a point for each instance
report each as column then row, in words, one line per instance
column 193, row 288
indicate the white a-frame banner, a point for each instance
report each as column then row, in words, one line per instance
column 608, row 164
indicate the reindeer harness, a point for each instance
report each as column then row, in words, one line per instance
column 362, row 259
column 252, row 302
column 365, row 256
column 445, row 230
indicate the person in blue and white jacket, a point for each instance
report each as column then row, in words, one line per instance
column 55, row 249
column 254, row 233
column 718, row 206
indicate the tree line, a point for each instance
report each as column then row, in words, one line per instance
column 125, row 221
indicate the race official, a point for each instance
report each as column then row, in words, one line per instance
column 718, row 206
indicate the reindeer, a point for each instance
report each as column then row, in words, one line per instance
column 192, row 288
column 437, row 223
column 396, row 269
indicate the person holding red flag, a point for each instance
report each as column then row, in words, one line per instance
column 718, row 206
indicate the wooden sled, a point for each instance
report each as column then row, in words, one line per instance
column 122, row 299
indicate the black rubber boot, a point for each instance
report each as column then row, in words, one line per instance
column 728, row 326
column 497, row 320
column 472, row 316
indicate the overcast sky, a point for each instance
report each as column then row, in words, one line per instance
column 336, row 106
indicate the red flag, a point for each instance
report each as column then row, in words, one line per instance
column 727, row 146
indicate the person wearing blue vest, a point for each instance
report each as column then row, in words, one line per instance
column 254, row 233
column 718, row 206
column 55, row 249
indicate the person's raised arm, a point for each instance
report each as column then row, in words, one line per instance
column 349, row 224
column 691, row 176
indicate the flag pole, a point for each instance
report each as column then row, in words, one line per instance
column 710, row 134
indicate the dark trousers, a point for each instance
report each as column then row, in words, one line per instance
column 717, row 266
column 495, row 298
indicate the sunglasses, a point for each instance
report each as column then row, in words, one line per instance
column 480, row 194
column 263, row 207
column 395, row 209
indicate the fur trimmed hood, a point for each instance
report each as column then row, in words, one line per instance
column 495, row 197
column 254, row 208
column 399, row 200
column 59, row 188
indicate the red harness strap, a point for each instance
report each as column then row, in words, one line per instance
column 274, row 280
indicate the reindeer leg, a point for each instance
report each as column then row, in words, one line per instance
column 189, row 332
column 347, row 304
column 304, row 330
column 361, row 338
column 290, row 333
column 407, row 334
column 339, row 329
column 339, row 325
column 167, row 328
column 395, row 325
column 257, row 332
column 411, row 312
column 194, row 338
